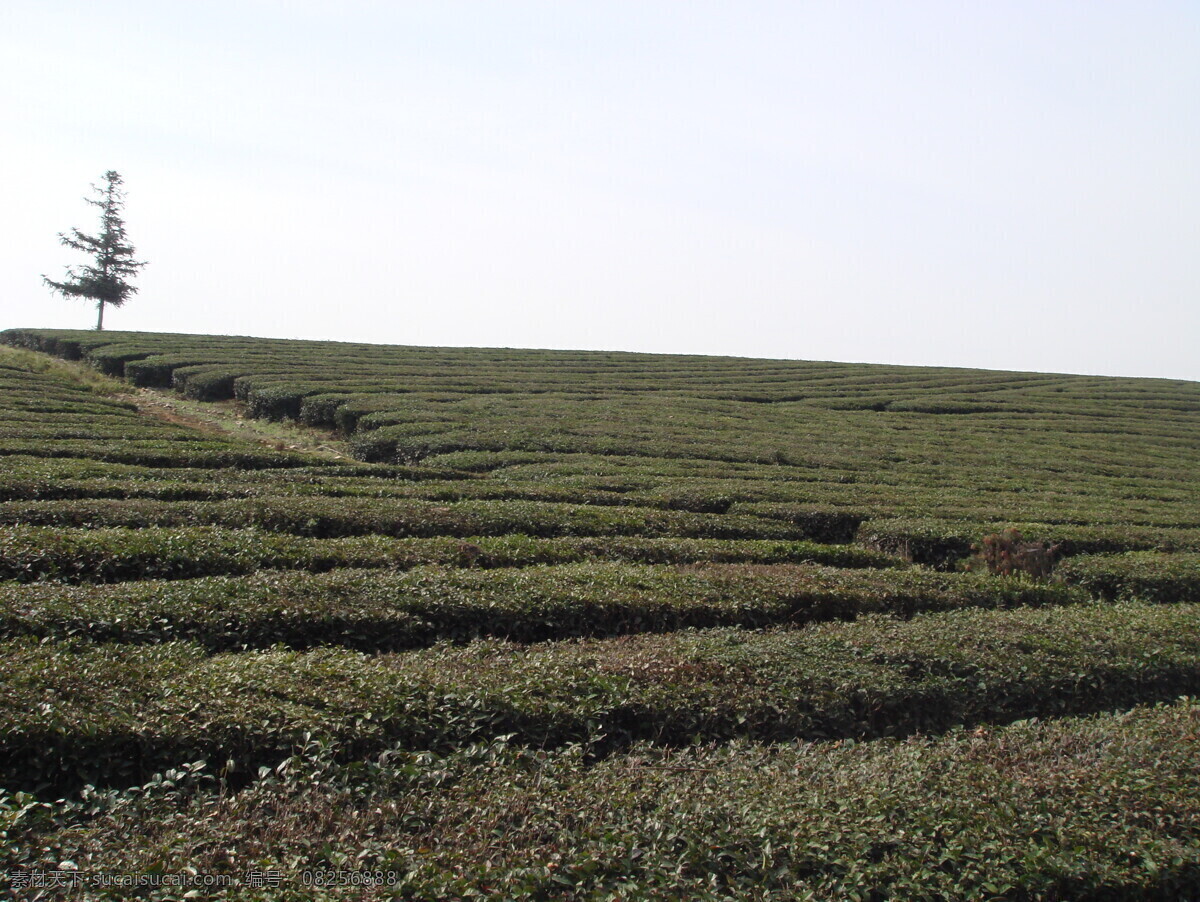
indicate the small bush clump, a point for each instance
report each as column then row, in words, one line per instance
column 1006, row 553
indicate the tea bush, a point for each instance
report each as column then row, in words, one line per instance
column 652, row 515
column 91, row 554
column 77, row 710
column 973, row 815
column 1163, row 578
column 336, row 517
column 373, row 611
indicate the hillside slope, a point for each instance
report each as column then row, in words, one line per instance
column 591, row 626
column 1067, row 456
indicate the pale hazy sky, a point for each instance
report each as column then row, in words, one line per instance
column 1009, row 185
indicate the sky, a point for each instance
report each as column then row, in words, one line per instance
column 1009, row 185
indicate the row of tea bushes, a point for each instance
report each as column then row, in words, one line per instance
column 57, row 554
column 48, row 415
column 1099, row 451
column 748, row 380
column 77, row 713
column 971, row 816
column 205, row 454
column 943, row 544
column 1147, row 576
column 337, row 517
column 365, row 370
column 31, row 478
column 38, row 478
column 321, row 508
column 373, row 611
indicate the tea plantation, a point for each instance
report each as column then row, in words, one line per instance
column 339, row 621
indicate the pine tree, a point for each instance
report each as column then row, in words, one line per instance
column 105, row 280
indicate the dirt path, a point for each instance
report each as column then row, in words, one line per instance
column 227, row 418
column 223, row 418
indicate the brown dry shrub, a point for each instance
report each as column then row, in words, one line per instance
column 1006, row 553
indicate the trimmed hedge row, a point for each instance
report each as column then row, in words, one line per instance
column 26, row 483
column 74, row 422
column 1146, row 576
column 80, row 712
column 337, row 517
column 30, row 478
column 372, row 611
column 205, row 383
column 39, row 553
column 158, row 453
column 933, row 543
column 821, row 524
column 413, row 443
column 942, row 544
column 981, row 815
column 1139, row 469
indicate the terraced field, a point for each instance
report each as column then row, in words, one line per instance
column 530, row 624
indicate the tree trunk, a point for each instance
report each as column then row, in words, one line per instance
column 100, row 316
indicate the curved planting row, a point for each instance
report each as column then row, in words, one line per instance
column 984, row 814
column 43, row 553
column 382, row 611
column 1146, row 576
column 944, row 543
column 52, row 415
column 145, row 632
column 116, row 713
column 373, row 611
column 1071, row 453
column 28, row 478
column 337, row 517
